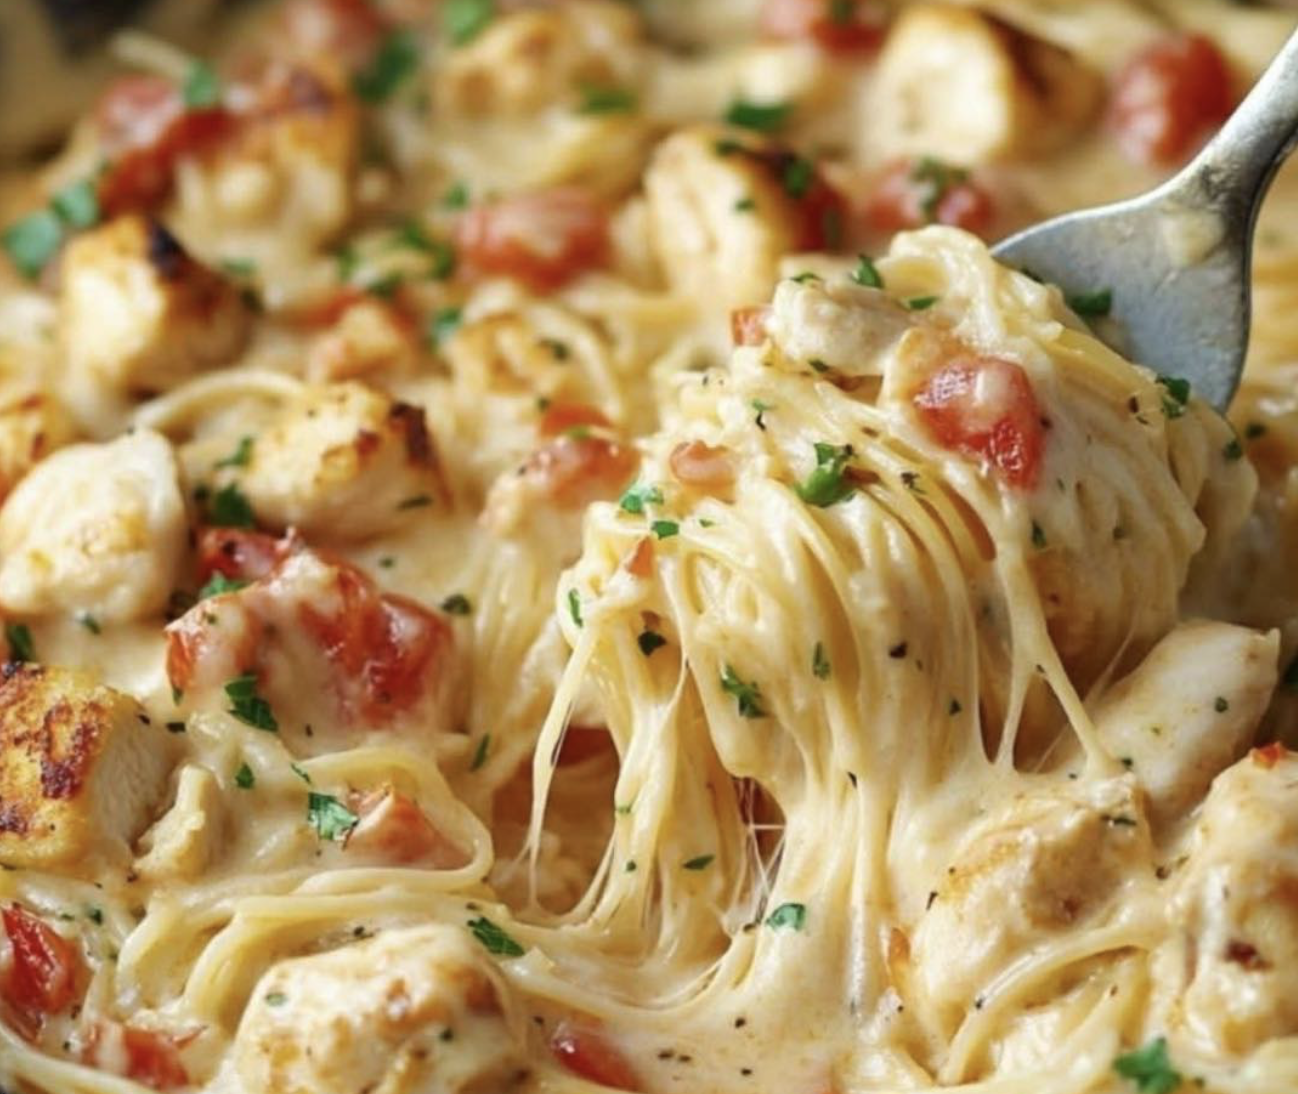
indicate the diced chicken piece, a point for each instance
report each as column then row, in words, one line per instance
column 419, row 1010
column 280, row 187
column 186, row 838
column 1230, row 975
column 839, row 324
column 369, row 337
column 1189, row 711
column 343, row 462
column 323, row 639
column 723, row 211
column 1048, row 864
column 31, row 427
column 393, row 829
column 98, row 528
column 530, row 60
column 959, row 85
column 81, row 769
column 138, row 315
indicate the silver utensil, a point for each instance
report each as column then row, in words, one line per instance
column 1177, row 259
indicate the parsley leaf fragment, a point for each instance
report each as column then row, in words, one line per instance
column 329, row 817
column 19, row 638
column 761, row 117
column 249, row 707
column 464, row 20
column 229, row 508
column 699, row 862
column 218, row 583
column 789, row 916
column 574, row 607
column 820, row 662
column 244, row 779
column 494, row 938
column 1149, row 1068
column 665, row 529
column 32, row 241
column 1177, row 395
column 649, row 641
column 866, row 273
column 596, row 99
column 748, row 696
column 1088, row 304
column 827, row 484
column 202, row 87
column 77, row 204
column 456, row 604
column 240, row 457
column 397, row 57
column 638, row 496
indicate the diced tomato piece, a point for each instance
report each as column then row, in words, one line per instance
column 561, row 417
column 912, row 193
column 839, row 26
column 238, row 553
column 152, row 1059
column 984, row 407
column 394, row 827
column 384, row 647
column 585, row 1051
column 348, row 30
column 543, row 239
column 641, row 562
column 748, row 325
column 213, row 641
column 146, row 130
column 1269, row 755
column 574, row 471
column 702, row 466
column 45, row 971
column 1169, row 97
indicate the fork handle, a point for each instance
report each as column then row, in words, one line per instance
column 1234, row 170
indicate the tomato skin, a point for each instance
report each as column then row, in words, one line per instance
column 45, row 972
column 1168, row 97
column 544, row 239
column 585, row 1051
column 1269, row 755
column 385, row 647
column 748, row 325
column 846, row 26
column 238, row 554
column 152, row 1059
column 702, row 466
column 394, row 827
column 897, row 202
column 559, row 418
column 146, row 130
column 574, row 471
column 984, row 408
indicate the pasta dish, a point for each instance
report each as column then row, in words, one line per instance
column 540, row 552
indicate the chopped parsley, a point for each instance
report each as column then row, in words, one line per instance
column 648, row 641
column 241, row 268
column 699, row 862
column 1220, row 704
column 396, row 59
column 329, row 817
column 95, row 914
column 457, row 604
column 218, row 583
column 1233, row 450
column 442, row 325
column 1091, row 304
column 1254, row 430
column 797, row 177
column 494, row 938
column 480, row 753
column 1038, row 536
column 559, row 350
column 819, row 662
column 606, row 100
column 175, row 727
column 1176, row 397
column 934, row 178
column 818, row 365
column 249, row 707
column 464, row 20
column 244, row 779
column 1149, row 1068
column 89, row 622
column 457, row 197
column 32, row 241
column 827, row 484
column 954, row 708
column 748, row 696
column 665, row 529
column 202, row 87
column 275, row 998
column 574, row 607
column 745, row 205
column 301, row 773
column 240, row 457
column 229, row 508
column 19, row 638
column 804, row 277
column 922, row 303
column 762, row 117
column 761, row 406
column 790, row 916
column 866, row 273
column 638, row 496
column 418, row 501
column 77, row 204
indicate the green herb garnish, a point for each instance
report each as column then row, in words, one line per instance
column 747, row 695
column 827, row 484
column 494, row 938
column 329, row 817
column 790, row 916
column 249, row 707
column 762, row 117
